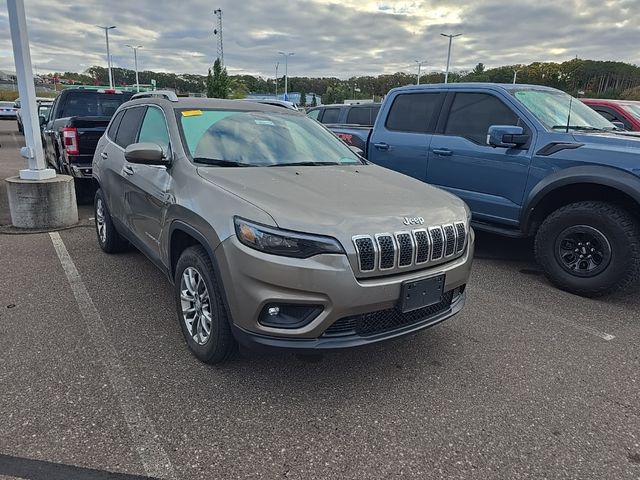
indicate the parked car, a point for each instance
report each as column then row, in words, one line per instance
column 346, row 114
column 41, row 101
column 530, row 161
column 624, row 112
column 7, row 110
column 276, row 103
column 77, row 120
column 273, row 232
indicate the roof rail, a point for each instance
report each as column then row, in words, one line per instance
column 167, row 94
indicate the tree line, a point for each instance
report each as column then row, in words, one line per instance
column 589, row 78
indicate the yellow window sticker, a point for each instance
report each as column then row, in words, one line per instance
column 191, row 113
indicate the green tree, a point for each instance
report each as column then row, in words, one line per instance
column 303, row 98
column 218, row 84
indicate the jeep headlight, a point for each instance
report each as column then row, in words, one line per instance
column 283, row 242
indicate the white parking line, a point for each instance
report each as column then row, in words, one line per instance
column 154, row 459
column 552, row 316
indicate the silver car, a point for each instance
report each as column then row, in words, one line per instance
column 273, row 232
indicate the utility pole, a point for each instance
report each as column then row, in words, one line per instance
column 286, row 72
column 106, row 35
column 277, row 65
column 420, row 63
column 450, row 37
column 135, row 60
column 218, row 31
column 515, row 75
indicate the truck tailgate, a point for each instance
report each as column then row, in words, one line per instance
column 90, row 129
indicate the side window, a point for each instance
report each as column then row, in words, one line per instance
column 154, row 128
column 113, row 126
column 413, row 112
column 359, row 116
column 472, row 114
column 607, row 115
column 314, row 114
column 331, row 115
column 129, row 126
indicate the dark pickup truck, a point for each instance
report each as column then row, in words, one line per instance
column 75, row 123
column 530, row 161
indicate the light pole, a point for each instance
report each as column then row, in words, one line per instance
column 277, row 65
column 515, row 75
column 135, row 60
column 286, row 72
column 106, row 34
column 420, row 63
column 450, row 37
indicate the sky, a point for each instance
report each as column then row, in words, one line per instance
column 339, row 38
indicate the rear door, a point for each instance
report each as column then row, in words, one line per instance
column 401, row 140
column 147, row 186
column 491, row 180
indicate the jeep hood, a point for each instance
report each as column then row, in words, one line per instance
column 339, row 201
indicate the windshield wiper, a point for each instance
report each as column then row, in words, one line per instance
column 220, row 162
column 303, row 164
column 587, row 128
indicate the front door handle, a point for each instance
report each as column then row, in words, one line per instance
column 381, row 146
column 445, row 152
column 128, row 170
column 104, row 155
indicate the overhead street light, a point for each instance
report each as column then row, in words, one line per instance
column 106, row 34
column 135, row 60
column 450, row 37
column 420, row 63
column 286, row 73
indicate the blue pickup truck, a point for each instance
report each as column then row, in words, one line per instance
column 530, row 161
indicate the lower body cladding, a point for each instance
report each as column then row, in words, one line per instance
column 318, row 304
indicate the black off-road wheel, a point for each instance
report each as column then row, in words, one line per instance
column 201, row 311
column 109, row 239
column 590, row 248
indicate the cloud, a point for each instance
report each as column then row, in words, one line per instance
column 329, row 37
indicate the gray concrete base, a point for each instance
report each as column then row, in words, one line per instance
column 49, row 203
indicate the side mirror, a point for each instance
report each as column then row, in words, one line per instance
column 146, row 154
column 618, row 125
column 42, row 119
column 356, row 150
column 506, row 136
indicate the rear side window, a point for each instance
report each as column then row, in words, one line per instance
column 362, row 115
column 113, row 126
column 314, row 114
column 413, row 112
column 129, row 126
column 331, row 115
column 154, row 128
column 472, row 114
column 92, row 104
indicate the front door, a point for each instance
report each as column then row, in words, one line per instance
column 401, row 143
column 490, row 180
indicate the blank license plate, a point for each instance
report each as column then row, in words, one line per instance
column 421, row 293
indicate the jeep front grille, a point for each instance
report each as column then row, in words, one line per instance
column 403, row 249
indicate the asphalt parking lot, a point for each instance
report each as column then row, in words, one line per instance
column 95, row 377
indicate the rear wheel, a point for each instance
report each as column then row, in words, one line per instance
column 201, row 311
column 109, row 239
column 590, row 248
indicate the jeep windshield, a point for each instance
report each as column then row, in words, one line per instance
column 260, row 139
column 551, row 107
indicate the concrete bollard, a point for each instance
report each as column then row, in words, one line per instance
column 42, row 204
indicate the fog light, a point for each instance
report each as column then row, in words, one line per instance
column 288, row 316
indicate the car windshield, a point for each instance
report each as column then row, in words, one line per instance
column 260, row 139
column 633, row 109
column 551, row 107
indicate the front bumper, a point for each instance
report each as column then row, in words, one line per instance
column 253, row 280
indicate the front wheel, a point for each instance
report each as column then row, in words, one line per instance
column 590, row 248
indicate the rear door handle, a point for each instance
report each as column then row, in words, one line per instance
column 104, row 155
column 445, row 152
column 381, row 146
column 128, row 170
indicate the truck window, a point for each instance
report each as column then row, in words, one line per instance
column 129, row 126
column 472, row 114
column 361, row 116
column 314, row 113
column 331, row 115
column 91, row 104
column 154, row 128
column 413, row 112
column 113, row 126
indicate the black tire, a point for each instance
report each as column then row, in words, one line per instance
column 220, row 344
column 615, row 234
column 20, row 128
column 111, row 241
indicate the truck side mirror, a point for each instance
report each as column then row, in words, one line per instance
column 618, row 125
column 42, row 119
column 506, row 136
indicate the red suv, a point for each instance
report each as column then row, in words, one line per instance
column 626, row 112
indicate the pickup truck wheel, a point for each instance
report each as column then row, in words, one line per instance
column 590, row 248
column 109, row 239
column 201, row 311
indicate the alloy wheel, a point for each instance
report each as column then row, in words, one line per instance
column 583, row 250
column 100, row 221
column 196, row 305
